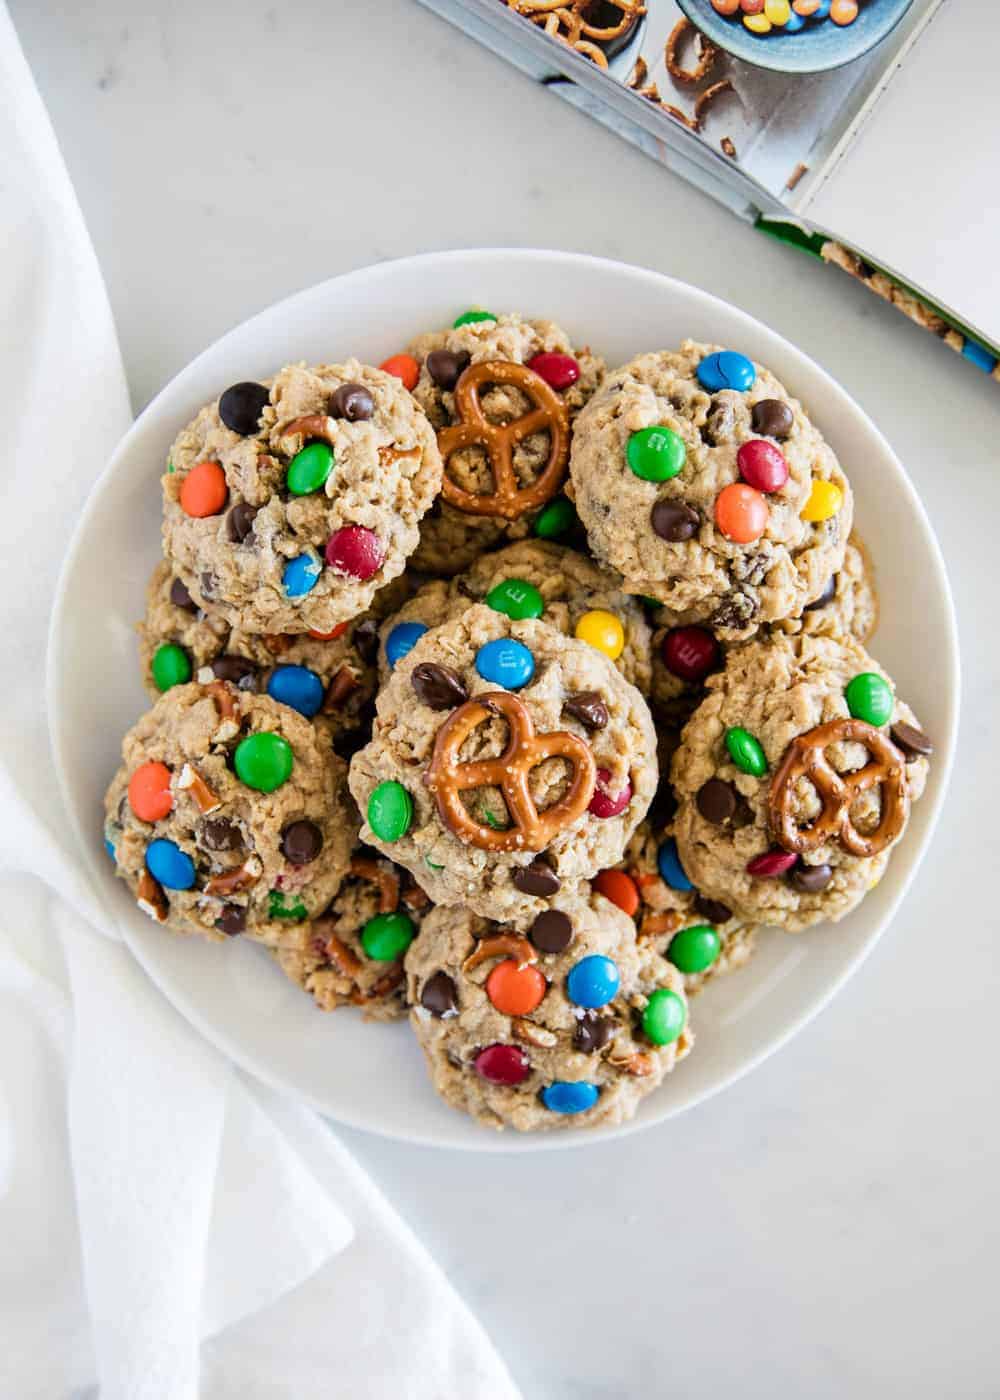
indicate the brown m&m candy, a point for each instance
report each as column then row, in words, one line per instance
column 674, row 521
column 772, row 418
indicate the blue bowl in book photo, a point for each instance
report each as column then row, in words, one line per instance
column 798, row 36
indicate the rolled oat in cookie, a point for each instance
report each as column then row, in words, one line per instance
column 794, row 780
column 534, row 579
column 289, row 504
column 352, row 955
column 706, row 486
column 329, row 678
column 506, row 760
column 229, row 815
column 558, row 380
column 557, row 1021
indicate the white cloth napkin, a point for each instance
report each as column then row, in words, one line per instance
column 151, row 1196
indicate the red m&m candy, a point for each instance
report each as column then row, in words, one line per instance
column 403, row 367
column 503, row 1064
column 690, row 652
column 762, row 465
column 771, row 864
column 559, row 371
column 356, row 551
column 604, row 803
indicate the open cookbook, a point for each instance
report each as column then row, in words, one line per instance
column 886, row 166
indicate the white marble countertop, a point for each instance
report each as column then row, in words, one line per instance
column 826, row 1227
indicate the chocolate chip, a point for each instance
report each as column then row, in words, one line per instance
column 237, row 670
column 439, row 996
column 674, row 521
column 301, row 842
column 353, row 402
column 738, row 610
column 181, row 598
column 810, row 879
column 743, row 816
column 219, row 834
column 593, row 1032
column 240, row 521
column 552, row 931
column 713, row 910
column 588, row 707
column 772, row 418
column 241, row 405
column 913, row 741
column 537, row 878
column 716, row 801
column 232, row 920
column 825, row 598
column 438, row 686
column 444, row 367
column 365, row 639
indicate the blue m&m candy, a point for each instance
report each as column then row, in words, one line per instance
column 593, row 981
column 669, row 865
column 726, row 369
column 300, row 575
column 298, row 688
column 566, row 1096
column 402, row 639
column 109, row 846
column 823, row 11
column 169, row 865
column 794, row 23
column 505, row 662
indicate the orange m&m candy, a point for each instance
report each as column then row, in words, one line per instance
column 619, row 888
column 741, row 513
column 204, row 490
column 338, row 631
column 515, row 990
column 805, row 8
column 725, row 7
column 149, row 793
column 843, row 11
column 404, row 367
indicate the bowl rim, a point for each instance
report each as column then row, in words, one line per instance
column 512, row 1142
column 716, row 28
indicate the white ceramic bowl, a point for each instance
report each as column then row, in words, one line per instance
column 372, row 1076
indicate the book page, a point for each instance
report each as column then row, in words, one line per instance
column 918, row 189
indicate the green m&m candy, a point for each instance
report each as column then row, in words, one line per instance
column 655, row 454
column 694, row 949
column 746, row 752
column 278, row 908
column 263, row 761
column 869, row 697
column 665, row 1016
column 467, row 317
column 171, row 666
column 387, row 936
column 558, row 518
column 516, row 598
column 390, row 811
column 309, row 469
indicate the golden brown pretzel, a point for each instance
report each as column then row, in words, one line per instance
column 806, row 757
column 447, row 778
column 499, row 440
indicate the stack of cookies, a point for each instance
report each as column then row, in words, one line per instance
column 512, row 696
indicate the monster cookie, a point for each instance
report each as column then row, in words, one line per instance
column 794, row 779
column 330, row 677
column 506, row 759
column 228, row 814
column 701, row 937
column 703, row 483
column 561, row 1023
column 683, row 656
column 353, row 954
column 287, row 506
column 534, row 578
column 501, row 393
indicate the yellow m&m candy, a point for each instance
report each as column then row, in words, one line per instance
column 825, row 500
column 757, row 24
column 779, row 12
column 602, row 630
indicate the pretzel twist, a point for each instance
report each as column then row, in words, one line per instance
column 499, row 440
column 806, row 758
column 447, row 778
